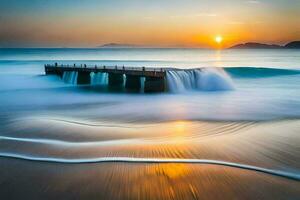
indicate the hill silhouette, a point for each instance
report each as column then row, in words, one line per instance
column 254, row 45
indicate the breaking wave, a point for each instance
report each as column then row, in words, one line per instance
column 200, row 79
column 205, row 79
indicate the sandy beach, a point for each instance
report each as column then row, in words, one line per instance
column 239, row 143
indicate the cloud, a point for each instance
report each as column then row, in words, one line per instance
column 195, row 15
column 236, row 23
column 206, row 15
column 148, row 18
column 253, row 2
column 258, row 22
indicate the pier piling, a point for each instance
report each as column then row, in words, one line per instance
column 83, row 78
column 154, row 78
column 154, row 84
column 133, row 82
column 115, row 80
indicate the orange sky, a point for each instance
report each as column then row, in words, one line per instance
column 159, row 23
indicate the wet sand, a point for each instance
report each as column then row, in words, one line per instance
column 269, row 145
column 33, row 180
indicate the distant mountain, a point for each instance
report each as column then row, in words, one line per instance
column 253, row 45
column 117, row 45
column 248, row 45
column 293, row 45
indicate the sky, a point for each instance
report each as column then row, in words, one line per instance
column 159, row 23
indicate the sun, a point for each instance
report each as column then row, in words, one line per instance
column 218, row 39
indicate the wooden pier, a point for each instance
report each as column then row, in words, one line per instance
column 155, row 78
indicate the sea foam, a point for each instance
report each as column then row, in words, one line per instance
column 205, row 79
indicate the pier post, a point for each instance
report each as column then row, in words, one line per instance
column 115, row 79
column 51, row 71
column 133, row 82
column 154, row 84
column 83, row 78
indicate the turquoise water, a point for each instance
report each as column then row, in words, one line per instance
column 263, row 85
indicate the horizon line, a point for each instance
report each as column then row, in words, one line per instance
column 141, row 46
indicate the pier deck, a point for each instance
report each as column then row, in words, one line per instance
column 134, row 71
column 154, row 78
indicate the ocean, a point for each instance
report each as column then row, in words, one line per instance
column 226, row 127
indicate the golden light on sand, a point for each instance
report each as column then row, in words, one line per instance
column 218, row 39
column 178, row 131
